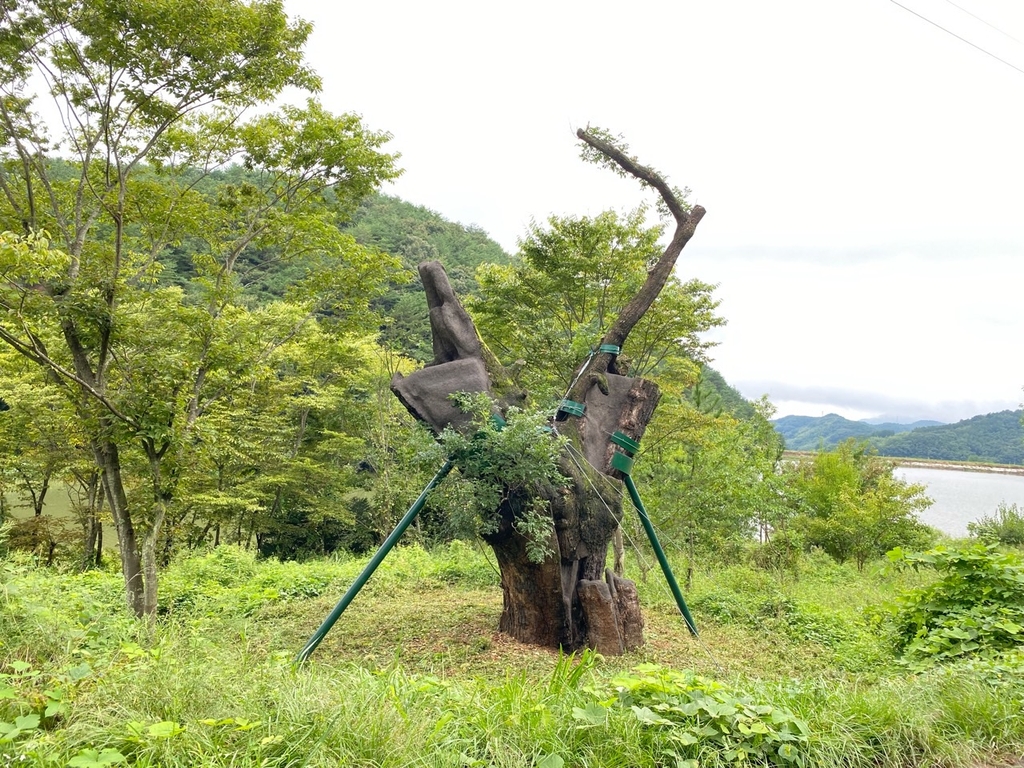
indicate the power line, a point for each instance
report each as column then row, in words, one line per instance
column 958, row 37
column 993, row 26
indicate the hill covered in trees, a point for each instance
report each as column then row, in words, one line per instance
column 414, row 234
column 713, row 393
column 992, row 437
column 809, row 433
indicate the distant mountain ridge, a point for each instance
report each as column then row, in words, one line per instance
column 993, row 437
column 808, row 433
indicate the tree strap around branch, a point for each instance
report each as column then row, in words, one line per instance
column 624, row 461
column 626, row 443
column 572, row 408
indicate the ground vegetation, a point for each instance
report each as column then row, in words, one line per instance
column 787, row 672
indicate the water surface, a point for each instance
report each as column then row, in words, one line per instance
column 962, row 497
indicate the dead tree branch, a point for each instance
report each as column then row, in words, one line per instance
column 657, row 277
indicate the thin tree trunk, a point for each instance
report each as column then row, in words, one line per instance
column 88, row 508
column 108, row 459
column 39, row 499
column 149, row 560
column 88, row 543
column 195, row 541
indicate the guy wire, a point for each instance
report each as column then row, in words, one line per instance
column 573, row 450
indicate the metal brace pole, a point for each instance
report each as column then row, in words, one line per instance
column 660, row 553
column 381, row 553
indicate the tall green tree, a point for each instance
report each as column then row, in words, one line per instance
column 151, row 97
column 570, row 280
column 849, row 503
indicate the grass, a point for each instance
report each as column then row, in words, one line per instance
column 414, row 673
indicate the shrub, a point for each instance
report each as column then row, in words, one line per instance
column 1006, row 526
column 849, row 504
column 974, row 608
column 502, row 461
column 695, row 721
column 781, row 553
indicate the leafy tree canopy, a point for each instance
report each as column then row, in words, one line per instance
column 568, row 284
column 155, row 154
column 849, row 503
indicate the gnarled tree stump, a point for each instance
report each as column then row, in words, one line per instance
column 570, row 599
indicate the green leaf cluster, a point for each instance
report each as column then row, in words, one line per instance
column 143, row 217
column 697, row 720
column 31, row 700
column 511, row 465
column 713, row 478
column 1005, row 526
column 568, row 283
column 848, row 502
column 974, row 608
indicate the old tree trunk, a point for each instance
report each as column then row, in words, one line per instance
column 570, row 599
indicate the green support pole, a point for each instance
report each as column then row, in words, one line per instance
column 381, row 553
column 662, row 560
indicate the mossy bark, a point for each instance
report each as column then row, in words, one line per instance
column 570, row 599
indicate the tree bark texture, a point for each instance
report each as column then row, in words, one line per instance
column 569, row 599
column 109, row 462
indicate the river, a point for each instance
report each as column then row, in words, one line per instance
column 962, row 497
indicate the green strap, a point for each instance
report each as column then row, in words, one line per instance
column 622, row 462
column 626, row 443
column 572, row 408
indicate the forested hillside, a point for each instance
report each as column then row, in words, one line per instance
column 414, row 234
column 381, row 223
column 809, row 433
column 993, row 437
column 713, row 392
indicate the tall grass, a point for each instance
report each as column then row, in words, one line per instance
column 213, row 683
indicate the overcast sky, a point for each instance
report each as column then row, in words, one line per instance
column 863, row 170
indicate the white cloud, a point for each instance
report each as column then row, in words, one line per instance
column 861, row 168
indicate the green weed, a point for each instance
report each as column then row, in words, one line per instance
column 975, row 607
column 415, row 675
